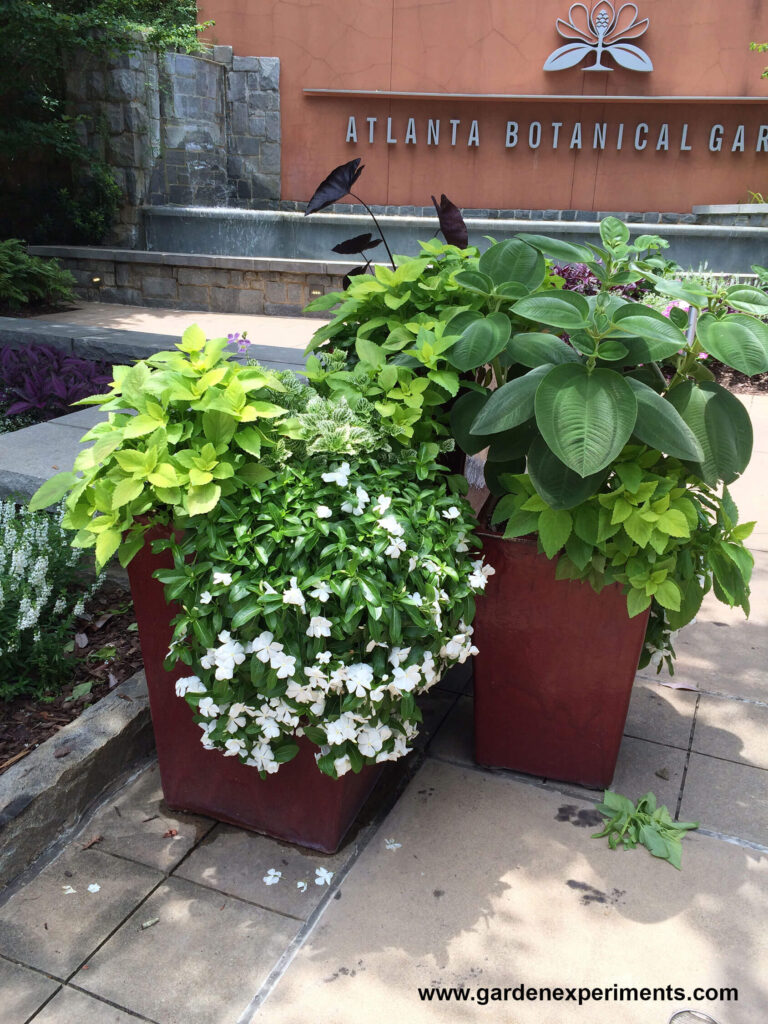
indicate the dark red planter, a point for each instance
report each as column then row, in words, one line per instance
column 298, row 804
column 555, row 670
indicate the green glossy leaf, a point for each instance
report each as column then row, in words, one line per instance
column 748, row 299
column 534, row 349
column 463, row 413
column 558, row 485
column 370, row 353
column 494, row 471
column 52, row 490
column 512, row 444
column 474, row 282
column 661, row 426
column 656, row 337
column 480, row 342
column 738, row 340
column 611, row 350
column 511, row 404
column 585, row 418
column 514, row 260
column 201, row 500
column 567, row 310
column 613, row 232
column 720, row 424
column 564, row 252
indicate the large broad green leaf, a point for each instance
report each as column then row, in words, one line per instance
column 534, row 349
column 457, row 324
column 738, row 340
column 512, row 444
column 513, row 260
column 661, row 426
column 748, row 299
column 558, row 485
column 465, row 410
column 565, row 252
column 474, row 282
column 690, row 293
column 480, row 342
column 656, row 336
column 585, row 418
column 613, row 232
column 202, row 499
column 218, row 427
column 720, row 424
column 511, row 404
column 567, row 310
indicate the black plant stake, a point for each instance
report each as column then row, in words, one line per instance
column 337, row 185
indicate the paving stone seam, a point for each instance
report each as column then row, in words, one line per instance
column 43, row 1005
column 724, row 837
column 36, row 970
column 687, row 758
column 116, row 1006
column 705, row 693
column 644, row 739
column 729, row 760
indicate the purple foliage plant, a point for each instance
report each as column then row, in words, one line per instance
column 44, row 382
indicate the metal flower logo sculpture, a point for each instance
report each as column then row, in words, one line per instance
column 600, row 31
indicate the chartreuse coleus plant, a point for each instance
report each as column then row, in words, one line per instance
column 185, row 429
column 321, row 602
column 646, row 824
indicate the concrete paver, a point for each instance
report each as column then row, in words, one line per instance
column 136, row 825
column 23, row 992
column 732, row 729
column 492, row 887
column 70, row 1006
column 289, row 331
column 46, row 927
column 201, row 962
column 236, row 862
column 660, row 714
column 30, row 456
column 645, row 767
column 727, row 797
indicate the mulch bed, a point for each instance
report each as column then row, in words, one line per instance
column 738, row 382
column 106, row 652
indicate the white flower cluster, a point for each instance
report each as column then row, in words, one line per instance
column 37, row 566
column 351, row 695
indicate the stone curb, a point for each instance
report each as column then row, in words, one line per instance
column 44, row 795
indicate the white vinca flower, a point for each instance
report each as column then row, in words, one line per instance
column 341, row 729
column 391, row 525
column 206, row 597
column 264, row 647
column 323, row 657
column 417, row 599
column 323, row 876
column 272, row 877
column 451, row 513
column 480, row 575
column 319, row 627
column 284, row 665
column 234, row 747
column 225, row 578
column 382, row 504
column 338, row 476
column 359, row 679
column 323, row 512
column 395, row 548
column 405, row 680
column 342, row 765
column 321, row 592
column 208, row 708
column 190, row 684
column 293, row 595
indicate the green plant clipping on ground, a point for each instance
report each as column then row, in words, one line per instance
column 42, row 590
column 646, row 825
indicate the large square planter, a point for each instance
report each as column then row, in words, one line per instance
column 298, row 804
column 555, row 670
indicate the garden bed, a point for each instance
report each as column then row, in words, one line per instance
column 105, row 653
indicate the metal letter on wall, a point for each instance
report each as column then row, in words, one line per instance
column 599, row 32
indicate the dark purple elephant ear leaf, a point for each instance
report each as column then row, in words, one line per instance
column 347, row 279
column 451, row 222
column 335, row 187
column 358, row 244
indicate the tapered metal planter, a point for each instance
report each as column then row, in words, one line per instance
column 298, row 804
column 555, row 670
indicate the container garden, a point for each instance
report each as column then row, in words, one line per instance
column 298, row 804
column 554, row 672
column 314, row 577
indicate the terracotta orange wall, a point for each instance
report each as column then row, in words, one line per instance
column 698, row 48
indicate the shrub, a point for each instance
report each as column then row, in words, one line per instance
column 41, row 593
column 30, row 280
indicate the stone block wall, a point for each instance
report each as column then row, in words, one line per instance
column 181, row 130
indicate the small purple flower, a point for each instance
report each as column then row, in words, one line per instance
column 240, row 339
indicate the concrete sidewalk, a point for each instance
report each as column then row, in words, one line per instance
column 473, row 879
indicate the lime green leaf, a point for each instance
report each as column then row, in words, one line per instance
column 555, row 526
column 164, row 475
column 52, row 490
column 193, row 339
column 585, row 418
column 202, row 499
column 107, row 544
column 370, row 353
column 674, row 523
column 639, row 529
column 637, row 602
column 249, row 440
column 446, row 379
column 613, row 232
column 668, row 595
column 125, row 491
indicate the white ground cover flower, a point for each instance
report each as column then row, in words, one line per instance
column 292, row 595
column 323, row 512
column 190, row 684
column 224, row 578
column 319, row 626
column 451, row 513
column 339, row 476
column 321, row 592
